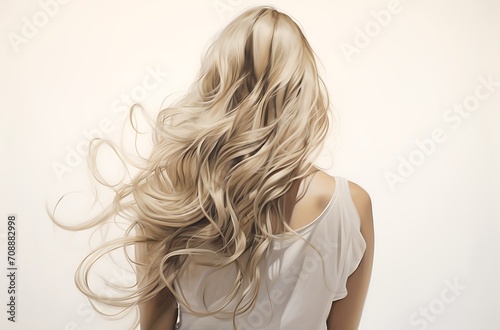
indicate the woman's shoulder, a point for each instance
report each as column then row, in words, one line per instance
column 325, row 185
column 317, row 191
column 313, row 195
column 362, row 201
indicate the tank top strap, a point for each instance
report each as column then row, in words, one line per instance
column 345, row 201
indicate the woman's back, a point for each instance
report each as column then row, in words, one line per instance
column 298, row 281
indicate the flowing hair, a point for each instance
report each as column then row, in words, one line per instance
column 223, row 157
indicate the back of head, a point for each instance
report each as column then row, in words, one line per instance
column 262, row 63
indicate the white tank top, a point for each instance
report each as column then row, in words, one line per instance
column 297, row 288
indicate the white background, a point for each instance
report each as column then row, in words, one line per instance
column 435, row 228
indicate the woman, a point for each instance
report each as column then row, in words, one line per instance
column 233, row 225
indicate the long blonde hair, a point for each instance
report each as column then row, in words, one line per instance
column 222, row 160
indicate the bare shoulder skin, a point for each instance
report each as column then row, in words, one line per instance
column 345, row 314
column 309, row 198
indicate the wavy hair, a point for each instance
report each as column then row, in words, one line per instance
column 212, row 189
